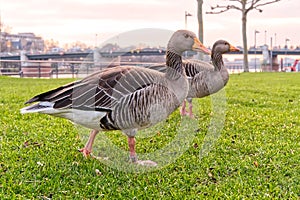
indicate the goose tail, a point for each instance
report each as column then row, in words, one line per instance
column 41, row 107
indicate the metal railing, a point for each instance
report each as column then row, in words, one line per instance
column 56, row 69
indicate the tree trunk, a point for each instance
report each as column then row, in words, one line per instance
column 200, row 25
column 244, row 30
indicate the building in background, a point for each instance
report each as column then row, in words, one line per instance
column 14, row 43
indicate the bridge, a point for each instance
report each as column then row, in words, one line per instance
column 47, row 65
column 82, row 55
column 275, row 53
column 79, row 55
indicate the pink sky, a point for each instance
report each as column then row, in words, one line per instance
column 81, row 20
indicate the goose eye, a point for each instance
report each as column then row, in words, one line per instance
column 186, row 35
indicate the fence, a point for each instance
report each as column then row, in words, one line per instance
column 56, row 69
column 48, row 69
column 67, row 69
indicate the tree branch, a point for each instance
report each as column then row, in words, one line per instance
column 253, row 5
column 222, row 9
column 263, row 4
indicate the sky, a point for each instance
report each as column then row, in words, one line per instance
column 96, row 21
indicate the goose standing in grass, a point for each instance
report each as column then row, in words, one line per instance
column 123, row 98
column 204, row 78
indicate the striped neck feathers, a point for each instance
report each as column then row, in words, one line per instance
column 218, row 64
column 217, row 61
column 174, row 63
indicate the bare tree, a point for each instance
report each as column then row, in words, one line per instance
column 245, row 6
column 200, row 25
column 200, row 20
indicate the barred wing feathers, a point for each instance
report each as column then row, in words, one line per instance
column 124, row 97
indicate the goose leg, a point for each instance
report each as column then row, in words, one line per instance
column 131, row 144
column 191, row 115
column 87, row 149
column 133, row 156
column 182, row 110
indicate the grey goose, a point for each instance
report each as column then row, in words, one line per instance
column 205, row 78
column 126, row 98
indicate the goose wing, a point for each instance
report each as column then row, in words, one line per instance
column 193, row 67
column 100, row 91
column 162, row 67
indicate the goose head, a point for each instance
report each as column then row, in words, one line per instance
column 184, row 40
column 222, row 46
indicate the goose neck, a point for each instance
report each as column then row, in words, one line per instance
column 174, row 63
column 219, row 66
column 217, row 61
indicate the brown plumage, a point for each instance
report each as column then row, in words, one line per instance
column 122, row 98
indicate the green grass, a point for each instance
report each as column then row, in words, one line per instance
column 256, row 156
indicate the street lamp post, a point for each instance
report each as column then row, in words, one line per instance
column 271, row 54
column 265, row 37
column 96, row 40
column 286, row 40
column 255, row 32
column 286, row 48
column 186, row 15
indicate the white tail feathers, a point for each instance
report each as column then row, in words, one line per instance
column 41, row 107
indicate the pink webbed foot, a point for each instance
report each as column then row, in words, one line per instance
column 85, row 152
column 183, row 112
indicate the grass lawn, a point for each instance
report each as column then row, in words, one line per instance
column 256, row 155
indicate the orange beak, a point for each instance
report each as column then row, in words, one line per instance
column 233, row 48
column 198, row 46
